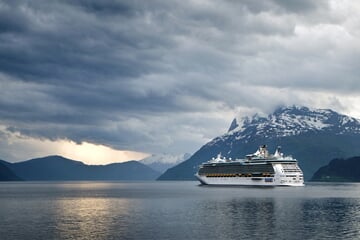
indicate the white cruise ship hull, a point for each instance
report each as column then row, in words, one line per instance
column 252, row 181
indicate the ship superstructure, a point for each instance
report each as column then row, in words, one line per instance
column 257, row 169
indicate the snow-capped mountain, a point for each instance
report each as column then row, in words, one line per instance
column 161, row 162
column 313, row 136
column 291, row 121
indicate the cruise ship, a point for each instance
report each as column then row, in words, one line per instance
column 257, row 169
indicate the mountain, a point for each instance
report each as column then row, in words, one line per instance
column 339, row 170
column 6, row 174
column 60, row 168
column 313, row 136
column 162, row 162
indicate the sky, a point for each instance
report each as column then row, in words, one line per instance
column 116, row 80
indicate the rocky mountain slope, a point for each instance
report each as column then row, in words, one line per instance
column 313, row 136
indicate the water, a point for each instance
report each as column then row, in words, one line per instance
column 177, row 210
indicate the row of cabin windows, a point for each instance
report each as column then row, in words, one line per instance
column 239, row 175
column 237, row 169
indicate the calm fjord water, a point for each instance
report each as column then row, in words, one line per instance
column 177, row 210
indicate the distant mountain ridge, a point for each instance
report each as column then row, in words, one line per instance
column 339, row 170
column 59, row 168
column 6, row 174
column 314, row 136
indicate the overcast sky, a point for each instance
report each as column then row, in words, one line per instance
column 158, row 76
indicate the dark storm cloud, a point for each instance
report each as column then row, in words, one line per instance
column 67, row 43
column 12, row 22
column 135, row 74
column 300, row 6
column 107, row 7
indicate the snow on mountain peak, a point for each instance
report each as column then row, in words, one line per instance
column 288, row 121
